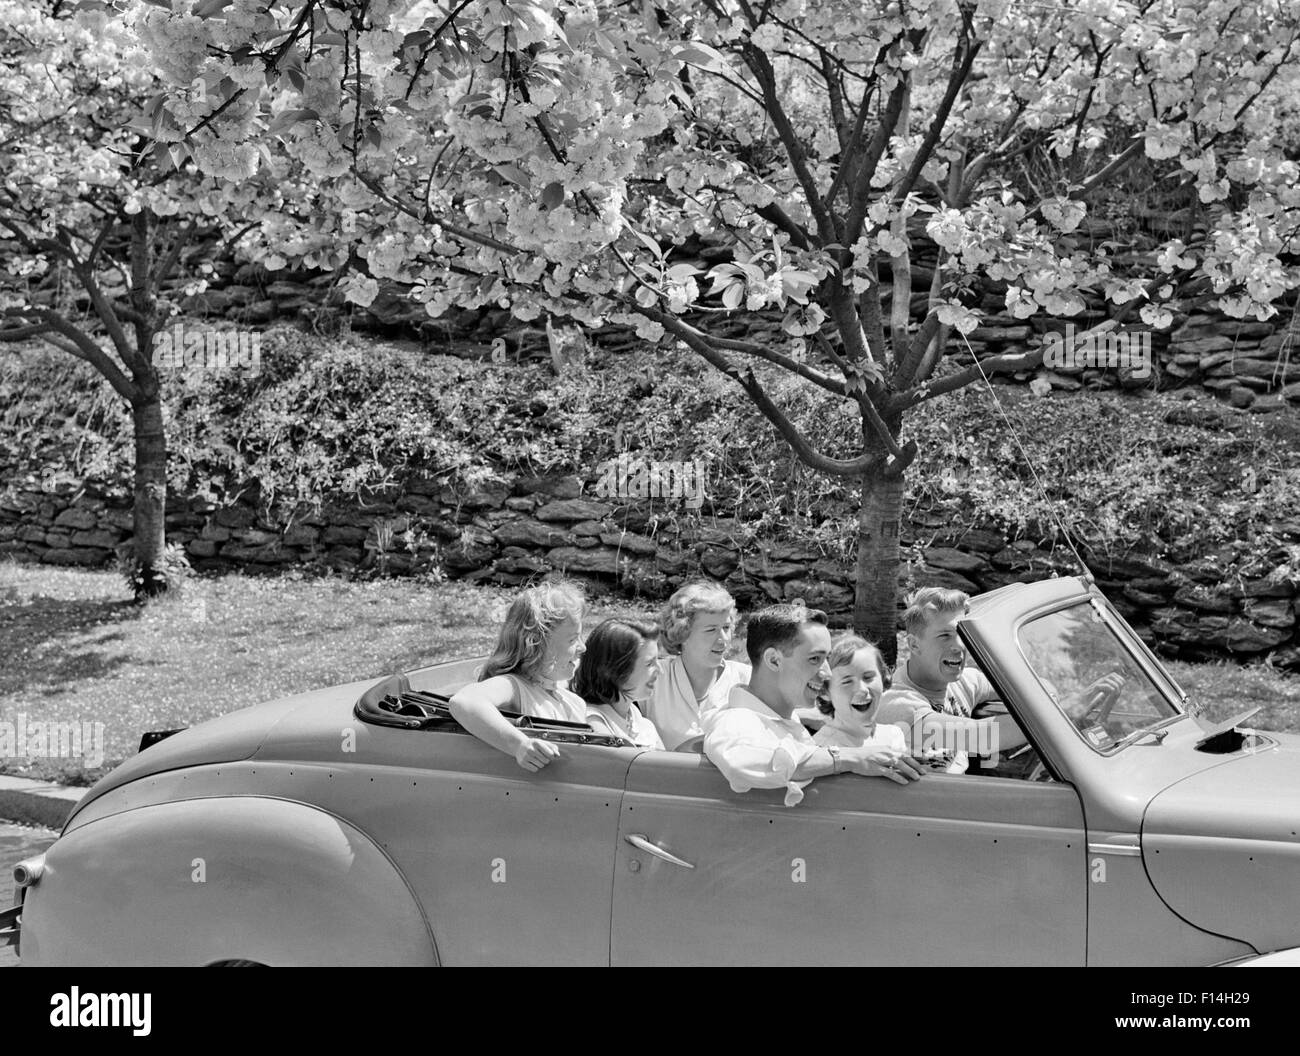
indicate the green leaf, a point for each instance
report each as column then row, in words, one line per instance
column 292, row 117
column 553, row 195
column 208, row 8
column 701, row 55
column 648, row 242
column 562, row 122
column 514, row 174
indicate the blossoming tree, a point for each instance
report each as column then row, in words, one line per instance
column 86, row 191
column 547, row 155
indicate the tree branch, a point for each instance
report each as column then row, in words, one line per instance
column 911, row 359
column 956, row 80
column 758, row 62
column 780, row 219
column 105, row 311
column 751, row 348
column 109, row 223
column 168, row 262
column 849, row 153
column 87, row 349
column 1008, row 362
column 836, row 97
column 429, row 218
column 746, row 379
column 862, row 178
column 1112, row 168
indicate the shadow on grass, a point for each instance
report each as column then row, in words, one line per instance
column 39, row 646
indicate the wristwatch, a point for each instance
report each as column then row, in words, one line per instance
column 835, row 758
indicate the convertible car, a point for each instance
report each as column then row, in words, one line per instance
column 361, row 825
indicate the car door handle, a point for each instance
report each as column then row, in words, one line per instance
column 642, row 843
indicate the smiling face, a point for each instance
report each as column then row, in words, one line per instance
column 710, row 637
column 563, row 647
column 644, row 674
column 937, row 655
column 799, row 675
column 855, row 690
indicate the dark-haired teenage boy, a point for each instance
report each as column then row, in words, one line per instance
column 755, row 740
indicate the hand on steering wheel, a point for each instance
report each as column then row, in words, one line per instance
column 1100, row 697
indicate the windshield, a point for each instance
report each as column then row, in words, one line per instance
column 1092, row 677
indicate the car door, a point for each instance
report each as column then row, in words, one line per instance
column 953, row 869
column 510, row 867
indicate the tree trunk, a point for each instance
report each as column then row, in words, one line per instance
column 150, row 491
column 875, row 597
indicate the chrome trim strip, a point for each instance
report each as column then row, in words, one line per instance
column 1122, row 850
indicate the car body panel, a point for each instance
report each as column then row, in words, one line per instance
column 513, row 868
column 194, row 882
column 1223, row 846
column 1130, row 925
column 540, row 869
column 860, row 872
column 1277, row 959
column 223, row 739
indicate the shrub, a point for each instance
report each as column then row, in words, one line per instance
column 328, row 418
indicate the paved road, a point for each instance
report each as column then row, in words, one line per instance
column 16, row 843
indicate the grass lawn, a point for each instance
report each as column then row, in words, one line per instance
column 74, row 648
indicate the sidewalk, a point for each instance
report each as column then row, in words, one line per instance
column 36, row 802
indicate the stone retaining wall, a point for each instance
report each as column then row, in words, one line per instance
column 509, row 533
column 1249, row 364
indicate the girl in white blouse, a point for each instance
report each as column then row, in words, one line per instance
column 853, row 696
column 697, row 624
column 618, row 670
column 536, row 654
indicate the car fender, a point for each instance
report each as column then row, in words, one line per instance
column 1276, row 959
column 225, row 878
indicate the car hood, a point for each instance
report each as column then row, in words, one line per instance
column 226, row 739
column 1222, row 846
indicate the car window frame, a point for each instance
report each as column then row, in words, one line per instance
column 1003, row 697
column 1125, row 636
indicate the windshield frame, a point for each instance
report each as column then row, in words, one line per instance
column 1162, row 682
column 1144, row 654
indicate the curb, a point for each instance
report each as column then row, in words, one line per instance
column 37, row 802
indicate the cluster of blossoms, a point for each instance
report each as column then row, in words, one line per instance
column 82, row 98
column 550, row 134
